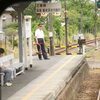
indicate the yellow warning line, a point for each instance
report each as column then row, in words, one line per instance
column 34, row 90
column 74, row 54
column 62, row 53
column 70, row 53
column 62, row 46
column 74, row 46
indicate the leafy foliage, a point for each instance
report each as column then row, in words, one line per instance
column 78, row 10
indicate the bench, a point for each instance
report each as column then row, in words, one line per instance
column 17, row 67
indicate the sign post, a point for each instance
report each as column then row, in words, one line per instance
column 27, row 41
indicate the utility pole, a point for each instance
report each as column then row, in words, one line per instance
column 51, row 36
column 81, row 17
column 95, row 22
column 66, row 33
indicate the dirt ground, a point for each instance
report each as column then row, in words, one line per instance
column 95, row 56
column 91, row 85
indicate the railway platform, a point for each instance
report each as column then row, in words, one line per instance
column 48, row 78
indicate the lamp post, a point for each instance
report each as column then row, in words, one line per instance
column 66, row 33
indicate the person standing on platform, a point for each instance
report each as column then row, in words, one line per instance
column 39, row 34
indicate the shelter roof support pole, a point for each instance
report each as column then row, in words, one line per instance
column 20, row 8
column 20, row 34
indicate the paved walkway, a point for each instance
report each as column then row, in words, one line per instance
column 39, row 67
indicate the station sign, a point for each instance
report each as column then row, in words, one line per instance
column 48, row 7
column 27, row 21
column 50, row 34
column 55, row 14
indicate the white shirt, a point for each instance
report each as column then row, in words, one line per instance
column 1, row 64
column 39, row 33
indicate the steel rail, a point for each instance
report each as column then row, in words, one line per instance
column 61, row 50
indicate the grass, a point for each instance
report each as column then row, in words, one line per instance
column 97, row 55
column 89, row 53
column 93, row 55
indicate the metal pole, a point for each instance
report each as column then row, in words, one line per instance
column 20, row 8
column 66, row 33
column 30, row 47
column 51, row 37
column 20, row 34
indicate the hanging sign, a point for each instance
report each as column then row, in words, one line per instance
column 48, row 7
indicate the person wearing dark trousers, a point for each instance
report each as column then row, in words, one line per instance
column 39, row 34
column 80, row 45
column 39, row 51
column 7, row 72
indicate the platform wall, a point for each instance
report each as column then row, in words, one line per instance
column 72, row 88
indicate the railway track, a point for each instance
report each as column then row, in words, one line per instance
column 62, row 49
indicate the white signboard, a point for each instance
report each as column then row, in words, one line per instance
column 76, row 37
column 50, row 34
column 48, row 7
column 28, row 28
